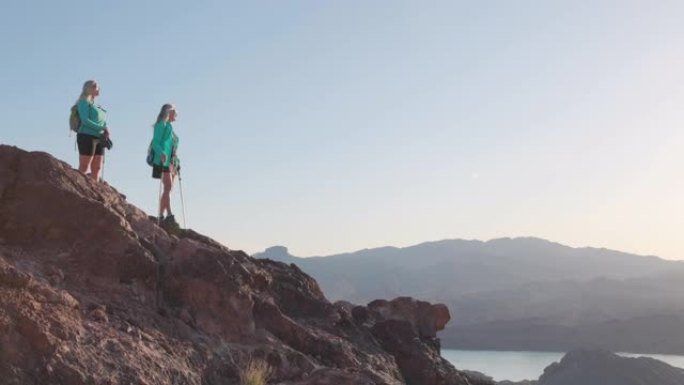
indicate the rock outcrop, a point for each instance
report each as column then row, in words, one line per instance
column 601, row 367
column 93, row 292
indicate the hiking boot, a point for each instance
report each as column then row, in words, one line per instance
column 170, row 225
column 170, row 219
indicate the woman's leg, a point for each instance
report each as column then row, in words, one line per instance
column 95, row 167
column 87, row 147
column 165, row 203
column 84, row 162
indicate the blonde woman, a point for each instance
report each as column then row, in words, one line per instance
column 92, row 128
column 165, row 162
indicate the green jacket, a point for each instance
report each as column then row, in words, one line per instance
column 165, row 141
column 93, row 118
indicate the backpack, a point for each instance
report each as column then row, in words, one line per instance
column 74, row 119
column 150, row 155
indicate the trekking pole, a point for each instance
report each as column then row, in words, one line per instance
column 180, row 187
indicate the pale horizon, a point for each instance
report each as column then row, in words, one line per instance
column 293, row 252
column 329, row 127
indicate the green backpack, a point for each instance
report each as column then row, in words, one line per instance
column 74, row 119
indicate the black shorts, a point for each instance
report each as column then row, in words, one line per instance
column 85, row 145
column 157, row 171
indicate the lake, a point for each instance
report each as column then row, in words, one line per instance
column 517, row 366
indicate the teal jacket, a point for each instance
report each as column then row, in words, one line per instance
column 165, row 141
column 93, row 118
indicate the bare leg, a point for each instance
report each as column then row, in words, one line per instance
column 84, row 163
column 165, row 203
column 95, row 167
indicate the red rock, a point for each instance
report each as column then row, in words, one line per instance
column 93, row 292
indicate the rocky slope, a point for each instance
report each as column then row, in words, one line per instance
column 93, row 292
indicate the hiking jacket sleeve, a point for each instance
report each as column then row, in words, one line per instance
column 162, row 142
column 88, row 124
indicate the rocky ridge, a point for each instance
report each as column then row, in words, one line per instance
column 93, row 292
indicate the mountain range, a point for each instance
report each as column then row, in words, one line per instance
column 519, row 293
column 601, row 367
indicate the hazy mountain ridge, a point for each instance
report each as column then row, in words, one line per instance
column 503, row 289
column 601, row 367
column 508, row 263
column 598, row 367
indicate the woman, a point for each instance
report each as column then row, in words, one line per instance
column 165, row 163
column 92, row 128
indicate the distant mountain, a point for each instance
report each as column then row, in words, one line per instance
column 601, row 367
column 598, row 367
column 457, row 267
column 522, row 293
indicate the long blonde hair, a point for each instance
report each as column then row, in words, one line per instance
column 164, row 113
column 84, row 92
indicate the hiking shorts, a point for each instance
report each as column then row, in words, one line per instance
column 157, row 171
column 85, row 145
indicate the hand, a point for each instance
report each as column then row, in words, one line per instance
column 163, row 158
column 106, row 132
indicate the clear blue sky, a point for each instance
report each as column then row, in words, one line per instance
column 331, row 126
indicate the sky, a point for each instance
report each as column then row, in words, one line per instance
column 333, row 126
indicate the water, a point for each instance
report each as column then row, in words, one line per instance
column 517, row 366
column 514, row 366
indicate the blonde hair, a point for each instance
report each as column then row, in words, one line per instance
column 84, row 92
column 164, row 113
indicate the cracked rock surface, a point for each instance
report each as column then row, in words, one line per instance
column 93, row 292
